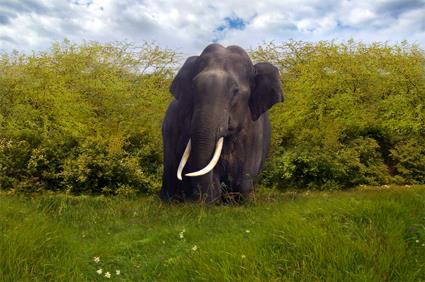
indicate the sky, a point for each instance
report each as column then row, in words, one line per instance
column 188, row 26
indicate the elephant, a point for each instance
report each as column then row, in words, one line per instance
column 216, row 132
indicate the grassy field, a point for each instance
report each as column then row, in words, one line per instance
column 372, row 234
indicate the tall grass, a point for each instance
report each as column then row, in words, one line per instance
column 372, row 235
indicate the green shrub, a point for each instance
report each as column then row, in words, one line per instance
column 84, row 118
column 97, row 169
column 353, row 114
column 14, row 156
column 410, row 158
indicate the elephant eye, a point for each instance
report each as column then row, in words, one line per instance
column 233, row 99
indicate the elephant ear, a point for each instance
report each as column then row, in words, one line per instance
column 267, row 90
column 181, row 85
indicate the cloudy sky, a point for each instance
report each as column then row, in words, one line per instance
column 187, row 26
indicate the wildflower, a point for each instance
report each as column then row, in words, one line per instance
column 181, row 235
column 423, row 244
column 108, row 275
column 163, row 242
column 118, row 272
column 96, row 259
column 247, row 231
column 243, row 256
column 99, row 271
column 417, row 241
column 194, row 248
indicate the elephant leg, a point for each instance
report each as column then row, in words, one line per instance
column 244, row 188
column 170, row 190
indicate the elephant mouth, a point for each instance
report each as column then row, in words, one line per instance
column 213, row 162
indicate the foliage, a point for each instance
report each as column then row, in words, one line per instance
column 85, row 118
column 353, row 114
column 371, row 235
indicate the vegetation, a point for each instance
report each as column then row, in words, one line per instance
column 354, row 114
column 371, row 235
column 86, row 118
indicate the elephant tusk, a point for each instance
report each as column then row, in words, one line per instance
column 184, row 159
column 213, row 161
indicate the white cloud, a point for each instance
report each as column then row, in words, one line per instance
column 359, row 16
column 190, row 25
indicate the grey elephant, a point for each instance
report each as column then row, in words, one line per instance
column 216, row 133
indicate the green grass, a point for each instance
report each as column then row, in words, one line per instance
column 374, row 234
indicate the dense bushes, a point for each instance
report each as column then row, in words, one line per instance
column 86, row 118
column 83, row 118
column 354, row 114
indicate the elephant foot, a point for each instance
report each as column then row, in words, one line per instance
column 239, row 193
column 168, row 197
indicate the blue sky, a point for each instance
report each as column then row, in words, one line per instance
column 188, row 26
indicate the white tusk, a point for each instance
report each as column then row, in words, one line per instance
column 183, row 161
column 213, row 161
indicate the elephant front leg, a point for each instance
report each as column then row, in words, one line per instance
column 171, row 189
column 244, row 188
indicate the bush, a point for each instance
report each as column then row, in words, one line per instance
column 353, row 114
column 84, row 118
column 96, row 169
column 409, row 157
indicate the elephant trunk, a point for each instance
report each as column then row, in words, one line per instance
column 206, row 145
column 204, row 139
column 203, row 148
column 212, row 163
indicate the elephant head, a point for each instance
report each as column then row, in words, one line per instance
column 224, row 93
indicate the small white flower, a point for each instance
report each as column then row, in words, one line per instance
column 163, row 242
column 243, row 256
column 181, row 235
column 423, row 244
column 96, row 259
column 118, row 272
column 99, row 271
column 194, row 248
column 108, row 275
column 247, row 231
column 417, row 241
